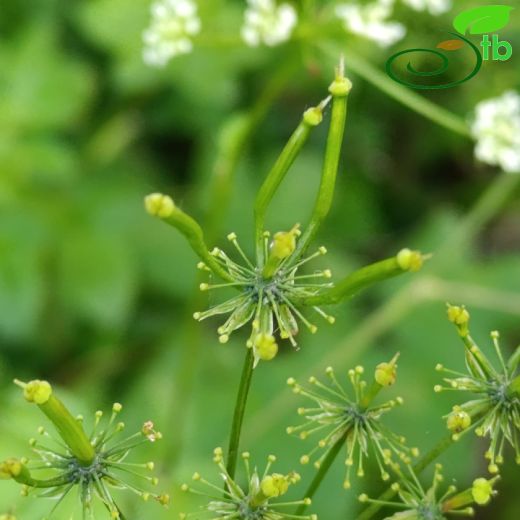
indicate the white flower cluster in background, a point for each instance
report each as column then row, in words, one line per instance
column 173, row 24
column 372, row 21
column 435, row 7
column 268, row 23
column 496, row 127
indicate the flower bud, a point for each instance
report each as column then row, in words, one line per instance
column 386, row 373
column 458, row 315
column 38, row 392
column 164, row 499
column 482, row 491
column 341, row 86
column 265, row 347
column 458, row 420
column 409, row 260
column 148, row 430
column 159, row 205
column 11, row 468
column 313, row 116
column 274, row 485
column 284, row 243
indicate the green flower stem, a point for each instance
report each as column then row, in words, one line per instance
column 324, row 468
column 238, row 416
column 412, row 100
column 370, row 395
column 474, row 351
column 25, row 479
column 311, row 118
column 339, row 89
column 70, row 430
column 358, row 280
column 191, row 229
column 234, row 137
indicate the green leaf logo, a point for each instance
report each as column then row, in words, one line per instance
column 482, row 20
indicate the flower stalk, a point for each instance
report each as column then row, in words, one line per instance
column 69, row 428
column 322, row 471
column 238, row 415
column 163, row 207
column 310, row 120
column 405, row 261
column 339, row 90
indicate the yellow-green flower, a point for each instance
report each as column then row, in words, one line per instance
column 90, row 465
column 258, row 499
column 418, row 503
column 351, row 420
column 494, row 409
column 274, row 293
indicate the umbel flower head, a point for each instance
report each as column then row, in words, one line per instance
column 416, row 503
column 89, row 465
column 273, row 290
column 493, row 410
column 371, row 21
column 260, row 500
column 434, row 7
column 496, row 127
column 268, row 23
column 172, row 27
column 352, row 420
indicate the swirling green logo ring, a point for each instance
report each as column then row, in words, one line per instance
column 440, row 70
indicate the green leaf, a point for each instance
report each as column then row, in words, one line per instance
column 483, row 19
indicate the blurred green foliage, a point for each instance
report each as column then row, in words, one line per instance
column 97, row 297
